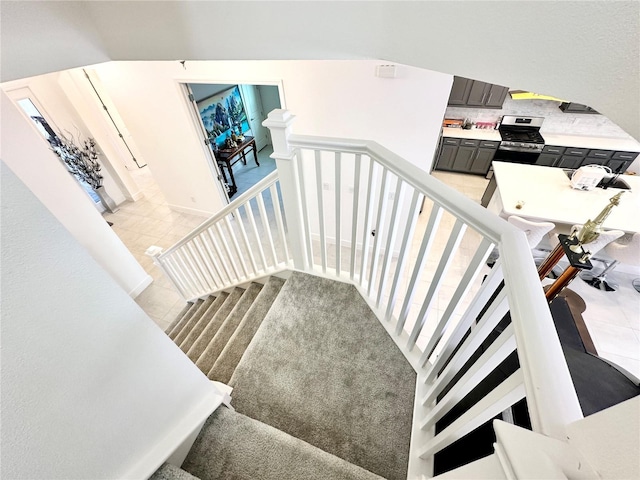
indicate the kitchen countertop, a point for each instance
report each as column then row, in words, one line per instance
column 477, row 134
column 548, row 196
column 596, row 143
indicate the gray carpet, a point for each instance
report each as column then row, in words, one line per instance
column 199, row 327
column 322, row 369
column 214, row 325
column 183, row 321
column 232, row 353
column 171, row 472
column 232, row 446
column 212, row 352
column 179, row 338
column 178, row 317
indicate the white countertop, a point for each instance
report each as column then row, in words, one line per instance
column 580, row 141
column 477, row 134
column 596, row 143
column 548, row 196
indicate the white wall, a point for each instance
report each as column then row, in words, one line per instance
column 91, row 387
column 585, row 51
column 27, row 154
column 330, row 98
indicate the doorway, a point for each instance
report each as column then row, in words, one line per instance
column 230, row 117
column 32, row 109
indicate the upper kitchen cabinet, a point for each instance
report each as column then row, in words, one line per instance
column 474, row 93
column 571, row 107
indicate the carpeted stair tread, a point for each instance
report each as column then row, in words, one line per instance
column 182, row 313
column 186, row 317
column 322, row 369
column 232, row 353
column 220, row 339
column 206, row 317
column 193, row 320
column 232, row 446
column 214, row 325
column 171, row 472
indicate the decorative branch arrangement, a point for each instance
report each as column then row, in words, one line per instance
column 81, row 162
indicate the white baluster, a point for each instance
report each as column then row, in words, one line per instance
column 298, row 168
column 320, row 195
column 276, row 207
column 236, row 245
column 267, row 226
column 481, row 299
column 472, row 271
column 421, row 260
column 354, row 217
column 225, row 245
column 337, row 176
column 254, row 228
column 441, row 271
column 379, row 227
column 245, row 240
column 404, row 254
column 368, row 218
column 391, row 239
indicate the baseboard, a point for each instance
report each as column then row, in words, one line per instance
column 191, row 211
column 135, row 196
column 141, row 286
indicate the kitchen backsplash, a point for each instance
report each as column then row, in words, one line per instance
column 555, row 121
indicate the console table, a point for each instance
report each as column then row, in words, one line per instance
column 228, row 157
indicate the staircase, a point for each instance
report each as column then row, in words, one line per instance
column 383, row 351
column 310, row 401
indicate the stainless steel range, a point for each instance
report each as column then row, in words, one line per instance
column 521, row 139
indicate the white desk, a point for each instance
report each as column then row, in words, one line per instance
column 548, row 196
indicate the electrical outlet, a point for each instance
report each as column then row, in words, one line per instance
column 326, row 186
column 391, row 195
column 193, row 199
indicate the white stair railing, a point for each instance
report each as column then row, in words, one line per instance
column 416, row 251
column 357, row 218
column 244, row 241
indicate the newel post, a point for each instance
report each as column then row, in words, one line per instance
column 279, row 123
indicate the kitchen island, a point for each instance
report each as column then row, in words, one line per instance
column 545, row 194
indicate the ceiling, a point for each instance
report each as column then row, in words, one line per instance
column 588, row 52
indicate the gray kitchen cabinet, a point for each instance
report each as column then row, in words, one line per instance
column 614, row 165
column 571, row 107
column 477, row 94
column 460, row 91
column 464, row 159
column 547, row 160
column 570, row 161
column 474, row 93
column 482, row 160
column 495, row 97
column 446, row 157
column 466, row 155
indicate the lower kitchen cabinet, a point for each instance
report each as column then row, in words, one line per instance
column 547, row 160
column 464, row 159
column 569, row 161
column 447, row 156
column 482, row 160
column 466, row 156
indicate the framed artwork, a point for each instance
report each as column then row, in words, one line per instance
column 221, row 113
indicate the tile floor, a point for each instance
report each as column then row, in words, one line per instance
column 150, row 221
column 613, row 318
